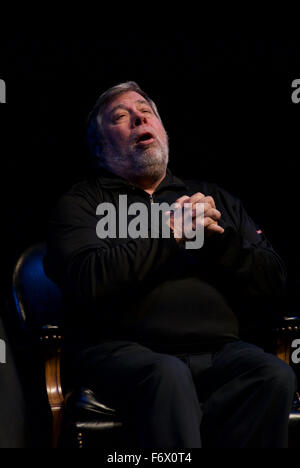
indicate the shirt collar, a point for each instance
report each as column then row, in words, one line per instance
column 111, row 180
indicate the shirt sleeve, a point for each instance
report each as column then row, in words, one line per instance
column 89, row 268
column 244, row 265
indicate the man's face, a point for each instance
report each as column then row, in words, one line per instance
column 136, row 143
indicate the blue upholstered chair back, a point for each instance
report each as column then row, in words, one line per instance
column 37, row 299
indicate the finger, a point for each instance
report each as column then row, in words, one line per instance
column 208, row 221
column 182, row 200
column 206, row 200
column 202, row 207
column 211, row 201
column 215, row 228
column 207, row 211
column 212, row 213
column 197, row 197
column 205, row 222
column 200, row 221
column 211, row 225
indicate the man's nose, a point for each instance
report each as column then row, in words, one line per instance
column 139, row 119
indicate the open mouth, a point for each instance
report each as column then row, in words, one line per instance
column 144, row 138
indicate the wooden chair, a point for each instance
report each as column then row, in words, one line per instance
column 38, row 303
column 77, row 416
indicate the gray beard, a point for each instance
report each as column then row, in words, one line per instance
column 149, row 163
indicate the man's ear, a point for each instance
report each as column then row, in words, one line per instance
column 98, row 154
column 98, row 149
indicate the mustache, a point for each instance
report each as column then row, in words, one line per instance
column 160, row 141
column 136, row 135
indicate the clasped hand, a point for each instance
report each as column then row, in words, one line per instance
column 208, row 218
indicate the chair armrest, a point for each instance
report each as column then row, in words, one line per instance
column 291, row 323
column 51, row 334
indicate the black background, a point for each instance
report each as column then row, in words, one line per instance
column 226, row 104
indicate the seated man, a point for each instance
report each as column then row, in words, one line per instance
column 163, row 333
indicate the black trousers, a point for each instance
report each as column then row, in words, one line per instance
column 239, row 397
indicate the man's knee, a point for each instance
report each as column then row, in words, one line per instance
column 280, row 376
column 240, row 359
column 168, row 370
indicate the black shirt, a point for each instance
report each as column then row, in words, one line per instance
column 105, row 281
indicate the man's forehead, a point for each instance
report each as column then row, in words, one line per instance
column 124, row 99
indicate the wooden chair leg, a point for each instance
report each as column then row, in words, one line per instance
column 57, row 417
column 54, row 391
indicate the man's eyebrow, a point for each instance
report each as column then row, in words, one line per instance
column 119, row 106
column 122, row 106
